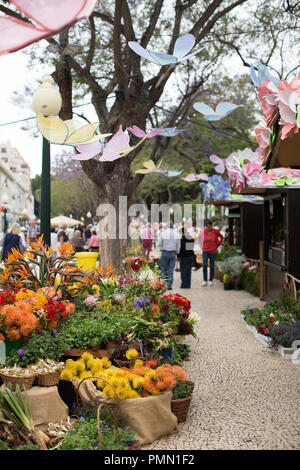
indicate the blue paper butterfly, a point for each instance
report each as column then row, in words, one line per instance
column 182, row 47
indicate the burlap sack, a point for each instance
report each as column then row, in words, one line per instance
column 150, row 417
column 46, row 406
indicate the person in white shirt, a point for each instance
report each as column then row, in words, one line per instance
column 22, row 235
column 169, row 242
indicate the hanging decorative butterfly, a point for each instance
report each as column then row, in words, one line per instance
column 117, row 147
column 220, row 168
column 49, row 18
column 150, row 167
column 194, row 177
column 222, row 110
column 173, row 173
column 135, row 130
column 70, row 132
column 171, row 132
column 262, row 75
column 182, row 47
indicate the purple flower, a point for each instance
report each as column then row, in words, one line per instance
column 68, row 352
column 21, row 352
column 82, row 419
column 53, row 333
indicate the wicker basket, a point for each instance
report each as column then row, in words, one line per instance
column 26, row 382
column 48, row 379
column 104, row 405
column 180, row 408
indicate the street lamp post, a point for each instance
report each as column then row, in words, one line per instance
column 46, row 101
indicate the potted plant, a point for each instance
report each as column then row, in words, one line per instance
column 233, row 267
column 181, row 399
column 227, row 282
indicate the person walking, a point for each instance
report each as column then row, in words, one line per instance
column 169, row 242
column 62, row 236
column 77, row 241
column 12, row 241
column 186, row 258
column 210, row 239
column 147, row 236
column 32, row 233
column 94, row 242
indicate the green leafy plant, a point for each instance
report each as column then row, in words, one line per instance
column 28, row 447
column 184, row 350
column 88, row 410
column 226, row 251
column 41, row 345
column 232, row 266
column 3, row 445
column 285, row 335
column 83, row 330
column 84, row 436
column 182, row 390
column 16, row 409
column 251, row 282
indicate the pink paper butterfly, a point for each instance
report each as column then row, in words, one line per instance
column 50, row 17
column 193, row 177
column 135, row 130
column 116, row 147
column 220, row 168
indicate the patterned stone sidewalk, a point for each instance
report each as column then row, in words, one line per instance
column 245, row 397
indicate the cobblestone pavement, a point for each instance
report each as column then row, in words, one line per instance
column 245, row 396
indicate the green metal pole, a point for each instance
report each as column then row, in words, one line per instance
column 5, row 221
column 46, row 193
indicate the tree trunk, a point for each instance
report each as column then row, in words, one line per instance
column 113, row 215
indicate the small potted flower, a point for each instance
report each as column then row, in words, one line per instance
column 181, row 399
column 227, row 282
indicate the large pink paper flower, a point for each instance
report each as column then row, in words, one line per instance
column 252, row 172
column 49, row 16
column 234, row 171
column 262, row 136
column 267, row 92
column 287, row 103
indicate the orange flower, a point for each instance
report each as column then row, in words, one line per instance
column 13, row 334
column 148, row 385
column 155, row 309
column 25, row 330
column 144, row 393
column 169, row 380
column 138, row 371
column 1, row 337
column 70, row 309
column 160, row 385
column 52, row 324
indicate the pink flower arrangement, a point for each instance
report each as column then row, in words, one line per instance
column 287, row 104
column 234, row 171
column 262, row 133
column 267, row 92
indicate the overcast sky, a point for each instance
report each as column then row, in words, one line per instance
column 13, row 76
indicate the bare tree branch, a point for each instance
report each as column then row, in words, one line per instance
column 92, row 48
column 152, row 24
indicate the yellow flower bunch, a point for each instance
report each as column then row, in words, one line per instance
column 96, row 289
column 84, row 367
column 131, row 353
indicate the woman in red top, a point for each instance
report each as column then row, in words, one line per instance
column 210, row 239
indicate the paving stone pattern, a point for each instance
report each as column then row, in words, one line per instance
column 245, row 396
